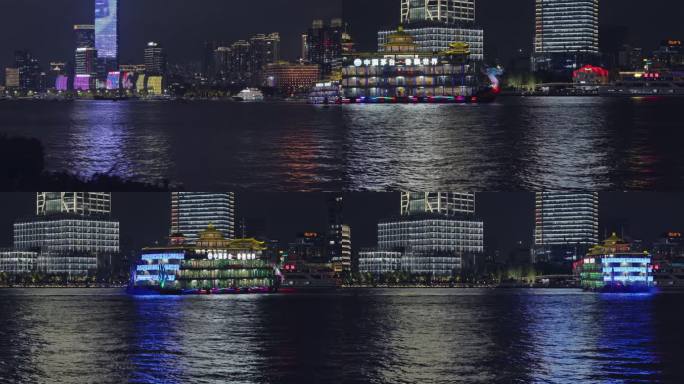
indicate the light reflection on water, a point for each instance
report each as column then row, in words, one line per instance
column 516, row 143
column 378, row 336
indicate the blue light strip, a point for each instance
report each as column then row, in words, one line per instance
column 153, row 278
column 625, row 269
column 627, row 260
column 164, row 256
column 155, row 267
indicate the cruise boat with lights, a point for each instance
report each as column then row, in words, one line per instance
column 249, row 95
column 213, row 265
column 401, row 73
column 613, row 267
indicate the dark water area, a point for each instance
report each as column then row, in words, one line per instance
column 550, row 143
column 376, row 336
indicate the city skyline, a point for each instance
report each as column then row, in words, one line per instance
column 185, row 44
column 508, row 217
column 183, row 38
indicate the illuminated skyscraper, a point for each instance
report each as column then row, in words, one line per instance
column 566, row 218
column 433, row 235
column 192, row 212
column 155, row 59
column 434, row 24
column 84, row 35
column 72, row 232
column 565, row 26
column 107, row 33
column 566, row 34
column 446, row 11
column 566, row 225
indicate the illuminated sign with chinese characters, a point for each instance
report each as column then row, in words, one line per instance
column 394, row 62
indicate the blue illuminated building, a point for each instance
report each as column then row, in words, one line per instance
column 107, row 34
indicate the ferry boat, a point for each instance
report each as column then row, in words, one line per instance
column 326, row 93
column 635, row 84
column 303, row 278
column 613, row 267
column 249, row 95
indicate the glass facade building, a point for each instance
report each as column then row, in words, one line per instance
column 566, row 218
column 433, row 38
column 107, row 33
column 15, row 262
column 80, row 203
column 192, row 212
column 447, row 203
column 446, row 11
column 565, row 26
column 67, row 234
column 431, row 236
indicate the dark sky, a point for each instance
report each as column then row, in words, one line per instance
column 45, row 26
column 509, row 24
column 508, row 217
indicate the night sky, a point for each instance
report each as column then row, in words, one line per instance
column 508, row 217
column 45, row 26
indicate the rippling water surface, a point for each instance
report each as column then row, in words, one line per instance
column 378, row 336
column 516, row 143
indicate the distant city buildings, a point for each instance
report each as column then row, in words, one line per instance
column 431, row 237
column 566, row 34
column 566, row 225
column 435, row 24
column 193, row 212
column 242, row 62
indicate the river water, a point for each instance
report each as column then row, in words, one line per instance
column 376, row 336
column 532, row 143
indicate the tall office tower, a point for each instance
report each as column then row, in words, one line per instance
column 80, row 203
column 239, row 61
column 263, row 50
column 432, row 236
column 566, row 33
column 86, row 61
column 155, row 59
column 446, row 203
column 324, row 46
column 305, row 47
column 84, row 35
column 339, row 236
column 72, row 232
column 446, row 11
column 29, row 70
column 434, row 24
column 566, row 225
column 192, row 212
column 107, row 34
